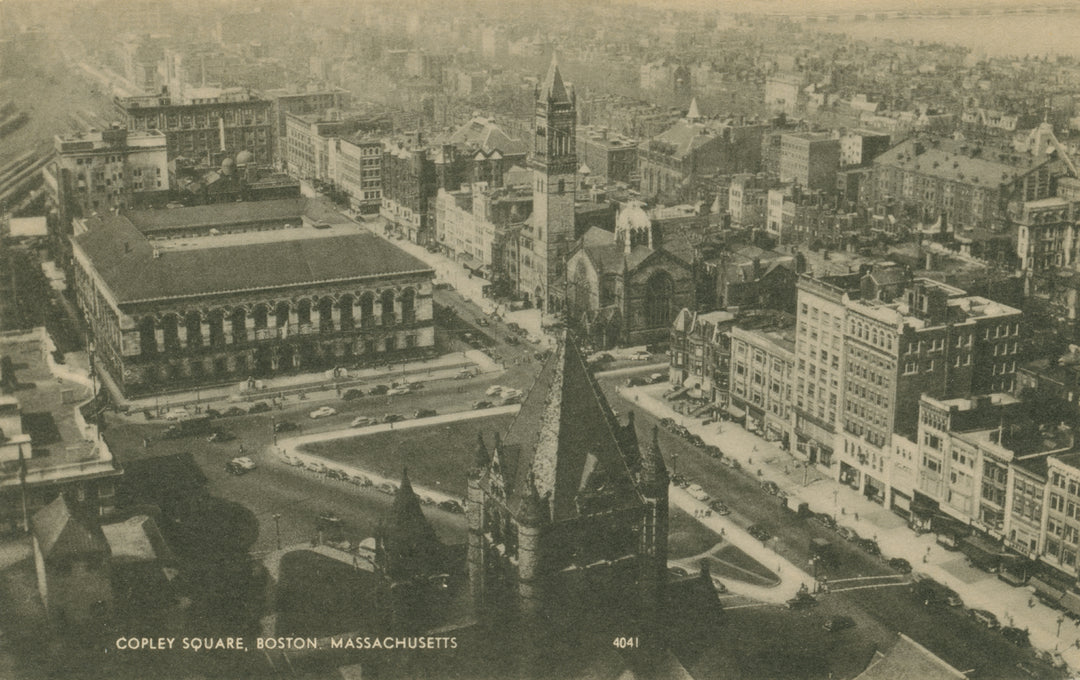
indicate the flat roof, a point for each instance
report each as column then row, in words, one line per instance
column 224, row 214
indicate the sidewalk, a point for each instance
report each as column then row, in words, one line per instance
column 978, row 589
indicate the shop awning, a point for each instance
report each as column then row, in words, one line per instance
column 1071, row 602
column 1046, row 588
column 736, row 411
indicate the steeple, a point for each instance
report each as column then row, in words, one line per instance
column 654, row 475
column 480, row 457
column 553, row 89
column 693, row 115
column 409, row 545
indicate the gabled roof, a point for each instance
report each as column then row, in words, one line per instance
column 566, row 436
column 408, row 541
column 483, row 134
column 136, row 539
column 59, row 533
column 908, row 660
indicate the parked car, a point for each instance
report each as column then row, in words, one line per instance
column 398, row 391
column 677, row 571
column 212, row 413
column 825, row 519
column 513, row 399
column 952, row 598
column 240, row 466
column 657, row 378
column 362, row 421
column 848, row 534
column 328, row 520
column 714, row 451
column 869, row 546
column 512, row 340
column 986, row 618
column 802, row 600
column 481, row 321
column 770, row 487
column 667, row 423
column 481, row 404
column 759, row 532
column 322, row 412
column 900, row 564
column 636, row 382
column 352, row 393
column 234, row 411
column 697, row 492
column 176, row 414
column 719, row 586
column 221, row 436
column 425, row 413
column 640, row 355
column 259, row 407
column 393, row 418
column 379, row 390
column 1017, row 636
column 696, row 440
column 464, row 374
column 719, row 508
column 494, row 390
column 452, row 506
column 285, row 426
column 680, row 481
column 839, row 623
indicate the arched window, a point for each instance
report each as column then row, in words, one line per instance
column 388, row 316
column 147, row 337
column 345, row 312
column 282, row 314
column 303, row 312
column 170, row 332
column 239, row 325
column 408, row 306
column 216, row 322
column 367, row 309
column 659, row 304
column 326, row 318
column 193, row 323
column 261, row 317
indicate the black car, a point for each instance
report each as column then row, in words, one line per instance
column 826, row 520
column 770, row 488
column 677, row 571
column 425, row 413
column 259, row 407
column 380, row 390
column 220, row 436
column 393, row 418
column 714, row 451
column 839, row 623
column 328, row 520
column 696, row 440
column 802, row 600
column 452, row 506
column 352, row 393
column 482, row 404
column 285, row 426
column 636, row 382
column 667, row 423
column 900, row 564
column 235, row 411
column 1017, row 636
column 759, row 532
column 869, row 546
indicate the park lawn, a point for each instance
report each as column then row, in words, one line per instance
column 742, row 567
column 687, row 536
column 438, row 456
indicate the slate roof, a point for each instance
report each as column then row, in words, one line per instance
column 566, row 435
column 59, row 533
column 136, row 539
column 685, row 137
column 947, row 164
column 125, row 260
column 485, row 135
column 908, row 660
column 553, row 88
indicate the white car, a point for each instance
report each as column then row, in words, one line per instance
column 510, row 392
column 239, row 466
column 362, row 421
column 697, row 492
column 640, row 356
column 395, row 391
column 177, row 414
column 494, row 390
column 322, row 412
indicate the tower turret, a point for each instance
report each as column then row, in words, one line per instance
column 653, row 483
column 533, row 517
column 474, row 517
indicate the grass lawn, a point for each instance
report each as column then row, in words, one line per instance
column 319, row 596
column 687, row 536
column 440, row 453
column 730, row 562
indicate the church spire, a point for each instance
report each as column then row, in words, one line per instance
column 693, row 115
column 480, row 456
column 654, row 475
column 411, row 547
column 553, row 89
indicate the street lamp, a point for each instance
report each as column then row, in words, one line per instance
column 835, row 493
column 273, row 431
column 1060, row 619
column 277, row 528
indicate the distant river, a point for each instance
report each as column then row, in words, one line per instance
column 993, row 36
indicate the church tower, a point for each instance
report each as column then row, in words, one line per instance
column 554, row 164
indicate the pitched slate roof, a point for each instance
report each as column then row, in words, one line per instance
column 485, row 135
column 553, row 89
column 59, row 533
column 136, row 539
column 567, row 437
column 125, row 259
column 908, row 660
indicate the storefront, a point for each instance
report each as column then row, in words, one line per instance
column 901, row 504
column 850, row 475
column 923, row 511
column 874, row 489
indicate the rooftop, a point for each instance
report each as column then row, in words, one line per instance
column 950, row 162
column 135, row 269
column 284, row 210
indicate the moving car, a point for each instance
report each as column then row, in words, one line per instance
column 481, row 404
column 508, row 401
column 494, row 390
column 697, row 492
column 452, row 506
column 393, row 418
column 322, row 412
column 352, row 393
column 379, row 390
column 986, row 618
column 220, row 436
column 397, row 391
column 640, row 355
column 425, row 413
column 900, row 564
column 259, row 407
column 719, row 508
column 285, row 426
column 677, row 571
column 802, row 600
column 362, row 421
column 239, row 466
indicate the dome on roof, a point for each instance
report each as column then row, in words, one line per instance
column 228, row 165
column 632, row 217
column 245, row 158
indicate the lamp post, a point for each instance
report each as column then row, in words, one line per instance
column 1060, row 619
column 835, row 493
column 277, row 528
column 273, row 430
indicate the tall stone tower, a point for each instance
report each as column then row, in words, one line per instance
column 554, row 164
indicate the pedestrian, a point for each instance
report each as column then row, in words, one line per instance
column 722, row 535
column 856, row 517
column 1076, row 643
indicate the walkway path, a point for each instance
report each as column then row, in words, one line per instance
column 978, row 589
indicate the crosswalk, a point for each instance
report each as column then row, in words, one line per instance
column 868, row 582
